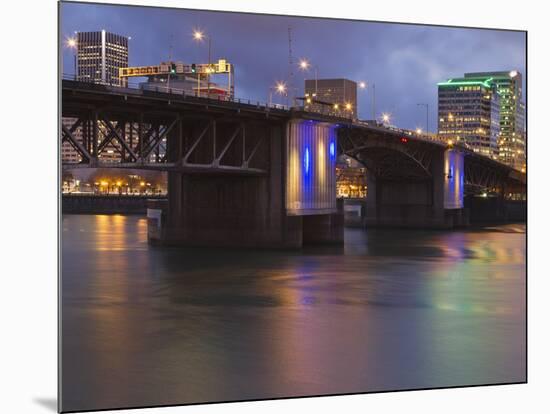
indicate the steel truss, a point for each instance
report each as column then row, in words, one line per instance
column 388, row 157
column 480, row 176
column 178, row 143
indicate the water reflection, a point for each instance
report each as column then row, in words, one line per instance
column 391, row 310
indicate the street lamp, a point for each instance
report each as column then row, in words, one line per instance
column 386, row 118
column 279, row 88
column 427, row 112
column 305, row 65
column 363, row 85
column 199, row 36
column 72, row 43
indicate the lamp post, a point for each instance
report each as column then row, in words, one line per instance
column 374, row 101
column 305, row 65
column 73, row 44
column 279, row 88
column 199, row 36
column 362, row 85
column 427, row 112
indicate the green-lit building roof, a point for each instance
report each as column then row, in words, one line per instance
column 482, row 81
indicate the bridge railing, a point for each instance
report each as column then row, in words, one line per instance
column 406, row 133
column 143, row 86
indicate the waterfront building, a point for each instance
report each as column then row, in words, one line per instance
column 351, row 178
column 469, row 113
column 512, row 139
column 464, row 107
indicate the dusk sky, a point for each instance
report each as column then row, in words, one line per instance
column 404, row 61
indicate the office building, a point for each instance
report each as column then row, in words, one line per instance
column 512, row 139
column 331, row 96
column 99, row 57
column 469, row 113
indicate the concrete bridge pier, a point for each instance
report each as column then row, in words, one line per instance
column 227, row 207
column 287, row 200
column 226, row 211
column 434, row 201
column 324, row 228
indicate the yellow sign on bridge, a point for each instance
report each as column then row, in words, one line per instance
column 178, row 68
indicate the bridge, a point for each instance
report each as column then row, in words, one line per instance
column 247, row 173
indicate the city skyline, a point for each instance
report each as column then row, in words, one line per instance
column 409, row 59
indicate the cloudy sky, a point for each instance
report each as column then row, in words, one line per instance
column 405, row 62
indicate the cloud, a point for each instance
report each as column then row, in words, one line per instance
column 404, row 61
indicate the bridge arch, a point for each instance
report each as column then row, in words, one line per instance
column 388, row 157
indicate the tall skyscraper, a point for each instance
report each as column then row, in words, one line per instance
column 99, row 57
column 512, row 139
column 338, row 96
column 469, row 113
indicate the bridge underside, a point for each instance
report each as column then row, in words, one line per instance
column 406, row 183
column 411, row 183
column 228, row 209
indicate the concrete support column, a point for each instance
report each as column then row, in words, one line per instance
column 324, row 228
column 452, row 173
column 437, row 170
column 371, row 213
column 413, row 203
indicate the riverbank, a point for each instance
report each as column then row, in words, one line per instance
column 106, row 204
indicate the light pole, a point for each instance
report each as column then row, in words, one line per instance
column 169, row 62
column 427, row 112
column 362, row 85
column 305, row 65
column 199, row 36
column 386, row 118
column 374, row 102
column 73, row 44
column 279, row 88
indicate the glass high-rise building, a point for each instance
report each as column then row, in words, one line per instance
column 469, row 113
column 512, row 138
column 99, row 57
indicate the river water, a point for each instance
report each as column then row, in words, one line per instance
column 392, row 309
